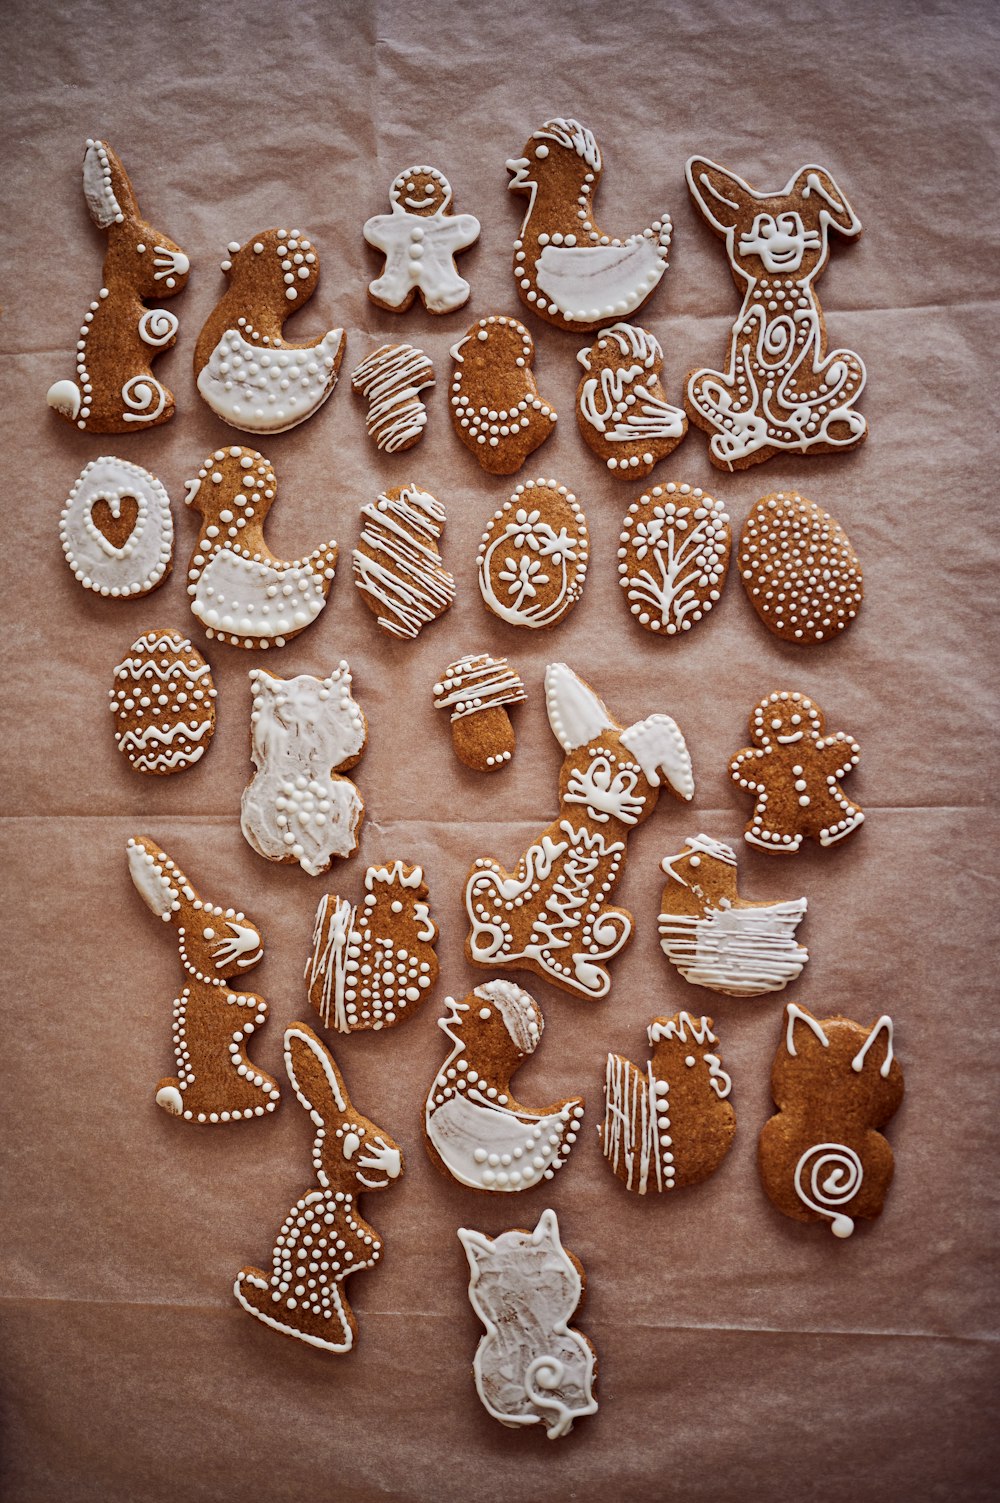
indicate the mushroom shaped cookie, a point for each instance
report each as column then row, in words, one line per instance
column 477, row 689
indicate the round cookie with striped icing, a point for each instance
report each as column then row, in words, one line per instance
column 397, row 563
column 392, row 378
column 673, row 557
column 163, row 701
column 799, row 569
column 533, row 555
column 477, row 689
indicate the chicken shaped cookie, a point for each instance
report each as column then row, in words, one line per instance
column 495, row 406
column 246, row 372
column 420, row 239
column 566, row 269
column 621, row 408
column 794, row 773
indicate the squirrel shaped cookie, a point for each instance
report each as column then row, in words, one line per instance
column 474, row 1127
column 496, row 409
column 719, row 940
column 163, row 701
column 673, row 557
column 800, row 572
column 793, row 771
column 117, row 530
column 240, row 592
column 392, row 378
column 373, row 964
column 621, row 408
column 552, row 914
column 782, row 391
column 420, row 239
column 566, row 269
column 115, row 390
column 835, row 1084
column 249, row 375
column 478, row 690
column 304, row 733
column 531, row 1367
column 323, row 1239
column 215, row 1081
column 670, row 1124
column 397, row 564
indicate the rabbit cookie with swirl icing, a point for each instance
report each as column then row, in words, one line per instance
column 836, row 1084
column 244, row 368
column 115, row 390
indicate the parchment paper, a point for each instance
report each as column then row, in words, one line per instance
column 741, row 1355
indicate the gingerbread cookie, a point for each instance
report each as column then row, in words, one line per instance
column 496, row 409
column 420, row 239
column 304, row 731
column 835, row 1084
column 566, row 268
column 392, row 379
column 621, row 408
column 323, row 1239
column 794, row 771
column 781, row 391
column 670, row 1124
column 240, row 592
column 533, row 555
column 115, row 390
column 374, row 963
column 474, row 1127
column 245, row 370
column 532, row 1367
column 477, row 689
column 397, row 563
column 673, row 557
column 719, row 940
column 803, row 577
column 164, row 703
column 215, row 1081
column 116, row 529
column 551, row 914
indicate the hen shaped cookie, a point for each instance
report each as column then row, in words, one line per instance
column 495, row 406
column 621, row 408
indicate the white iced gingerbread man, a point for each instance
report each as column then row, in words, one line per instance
column 420, row 240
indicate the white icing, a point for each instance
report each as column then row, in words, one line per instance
column 587, row 281
column 97, row 186
column 534, row 554
column 617, row 403
column 420, row 248
column 794, row 1015
column 152, row 882
column 884, row 1025
column 392, row 379
column 678, row 539
column 576, row 714
column 477, row 682
column 684, row 1027
column 406, row 578
column 531, row 1367
column 144, row 399
column 827, row 1177
column 167, row 684
column 254, row 599
column 742, row 952
column 636, row 1110
column 295, row 806
column 658, row 746
column 158, row 327
column 269, row 390
column 140, row 564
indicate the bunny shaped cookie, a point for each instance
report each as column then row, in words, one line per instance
column 322, row 1239
column 115, row 390
column 550, row 914
column 215, row 1081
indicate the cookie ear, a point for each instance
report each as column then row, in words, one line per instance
column 816, row 184
column 576, row 714
column 106, row 187
column 157, row 881
column 547, row 1230
column 314, row 1076
column 799, row 1038
column 658, row 746
column 876, row 1051
column 720, row 195
column 478, row 1248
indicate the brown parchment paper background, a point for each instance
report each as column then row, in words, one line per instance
column 742, row 1355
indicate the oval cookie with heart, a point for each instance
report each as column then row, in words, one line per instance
column 116, row 529
column 533, row 555
column 799, row 569
column 163, row 701
column 673, row 556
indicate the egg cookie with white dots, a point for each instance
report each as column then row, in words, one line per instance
column 163, row 701
column 798, row 567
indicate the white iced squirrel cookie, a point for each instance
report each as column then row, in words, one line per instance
column 163, row 700
column 116, row 529
column 392, row 378
column 420, row 239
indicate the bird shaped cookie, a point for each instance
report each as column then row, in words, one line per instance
column 621, row 408
column 239, row 591
column 246, row 372
column 566, row 268
column 495, row 406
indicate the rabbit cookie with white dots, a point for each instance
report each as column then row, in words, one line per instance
column 245, row 370
column 836, row 1084
column 673, row 557
column 240, row 592
column 478, row 690
column 115, row 390
column 793, row 772
column 475, row 1129
column 163, row 701
column 373, row 964
column 670, row 1124
column 799, row 569
column 215, row 1081
column 420, row 239
column 621, row 408
column 566, row 269
column 496, row 409
column 533, row 555
column 323, row 1239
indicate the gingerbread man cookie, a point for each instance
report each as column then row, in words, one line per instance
column 794, row 771
column 621, row 408
column 420, row 239
column 496, row 409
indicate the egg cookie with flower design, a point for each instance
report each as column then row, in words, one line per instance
column 673, row 557
column 533, row 555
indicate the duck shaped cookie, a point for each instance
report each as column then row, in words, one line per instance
column 567, row 269
column 239, row 591
column 496, row 409
column 475, row 1130
column 245, row 371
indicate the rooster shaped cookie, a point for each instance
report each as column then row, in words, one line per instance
column 239, row 591
column 496, row 409
column 566, row 268
column 245, row 371
column 621, row 407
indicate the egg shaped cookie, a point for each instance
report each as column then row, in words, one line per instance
column 163, row 701
column 799, row 569
column 533, row 555
column 673, row 557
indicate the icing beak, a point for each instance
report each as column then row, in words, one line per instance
column 191, row 489
column 519, row 166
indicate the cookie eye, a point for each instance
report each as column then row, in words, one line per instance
column 209, row 933
column 541, row 152
column 140, row 249
column 690, row 1060
column 796, row 719
column 776, row 725
column 695, row 861
column 411, row 187
column 485, row 1012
